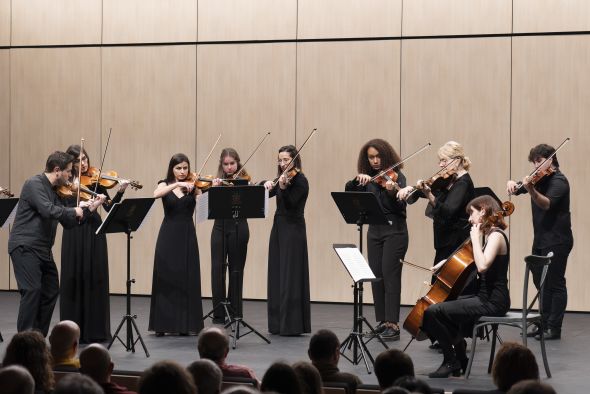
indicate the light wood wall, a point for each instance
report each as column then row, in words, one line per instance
column 169, row 76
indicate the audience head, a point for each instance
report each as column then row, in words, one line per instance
column 531, row 387
column 241, row 389
column 15, row 379
column 213, row 344
column 166, row 377
column 413, row 385
column 64, row 339
column 395, row 390
column 28, row 348
column 74, row 383
column 324, row 346
column 309, row 377
column 95, row 361
column 513, row 363
column 207, row 376
column 281, row 378
column 391, row 365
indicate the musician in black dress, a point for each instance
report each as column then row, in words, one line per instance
column 225, row 248
column 176, row 288
column 446, row 321
column 550, row 204
column 288, row 267
column 386, row 244
column 84, row 292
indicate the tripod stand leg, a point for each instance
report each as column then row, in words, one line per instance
column 252, row 329
column 116, row 334
column 364, row 353
column 139, row 337
column 372, row 330
column 408, row 345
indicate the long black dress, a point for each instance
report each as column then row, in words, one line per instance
column 84, row 290
column 176, row 287
column 288, row 267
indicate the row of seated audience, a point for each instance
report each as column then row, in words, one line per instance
column 29, row 365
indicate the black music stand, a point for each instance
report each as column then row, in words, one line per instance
column 125, row 217
column 7, row 206
column 237, row 202
column 359, row 208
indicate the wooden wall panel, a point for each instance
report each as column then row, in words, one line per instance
column 244, row 91
column 350, row 92
column 349, row 18
column 55, row 101
column 551, row 97
column 5, row 22
column 47, row 22
column 239, row 20
column 4, row 157
column 149, row 98
column 456, row 17
column 551, row 15
column 136, row 21
column 453, row 90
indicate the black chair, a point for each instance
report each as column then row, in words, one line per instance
column 522, row 319
column 337, row 388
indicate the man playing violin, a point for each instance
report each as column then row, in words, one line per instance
column 32, row 236
column 550, row 203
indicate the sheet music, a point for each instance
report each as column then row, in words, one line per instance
column 202, row 207
column 355, row 263
column 10, row 218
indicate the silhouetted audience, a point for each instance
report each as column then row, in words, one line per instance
column 166, row 377
column 74, row 383
column 16, row 379
column 391, row 365
column 240, row 389
column 28, row 348
column 531, row 387
column 324, row 353
column 514, row 362
column 413, row 385
column 309, row 377
column 395, row 390
column 63, row 340
column 213, row 345
column 207, row 376
column 281, row 378
column 96, row 362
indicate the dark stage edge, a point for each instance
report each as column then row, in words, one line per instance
column 568, row 358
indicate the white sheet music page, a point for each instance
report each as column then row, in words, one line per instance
column 10, row 218
column 355, row 263
column 202, row 207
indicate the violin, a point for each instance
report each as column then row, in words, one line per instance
column 205, row 182
column 107, row 179
column 451, row 278
column 536, row 177
column 384, row 176
column 69, row 190
column 6, row 192
column 441, row 180
column 288, row 174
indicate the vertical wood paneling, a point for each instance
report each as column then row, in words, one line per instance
column 551, row 15
column 244, row 91
column 551, row 97
column 456, row 17
column 240, row 20
column 149, row 101
column 137, row 21
column 4, row 22
column 349, row 18
column 4, row 156
column 47, row 22
column 453, row 90
column 350, row 92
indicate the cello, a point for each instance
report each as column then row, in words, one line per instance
column 450, row 281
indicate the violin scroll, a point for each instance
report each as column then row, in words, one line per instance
column 6, row 192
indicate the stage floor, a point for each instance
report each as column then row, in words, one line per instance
column 567, row 357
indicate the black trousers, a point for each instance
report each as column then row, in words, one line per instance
column 38, row 285
column 555, row 292
column 386, row 245
column 224, row 248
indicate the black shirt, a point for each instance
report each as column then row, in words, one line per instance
column 552, row 226
column 291, row 201
column 39, row 210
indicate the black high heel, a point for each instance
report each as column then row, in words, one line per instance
column 447, row 369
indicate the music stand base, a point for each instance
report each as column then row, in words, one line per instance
column 129, row 344
column 235, row 323
column 1, row 339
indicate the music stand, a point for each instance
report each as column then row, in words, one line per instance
column 237, row 202
column 125, row 217
column 7, row 211
column 359, row 208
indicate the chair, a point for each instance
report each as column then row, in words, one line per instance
column 129, row 379
column 522, row 319
column 367, row 389
column 337, row 388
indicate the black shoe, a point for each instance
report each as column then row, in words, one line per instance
column 434, row 346
column 464, row 363
column 534, row 332
column 550, row 334
column 377, row 330
column 446, row 369
column 159, row 334
column 390, row 334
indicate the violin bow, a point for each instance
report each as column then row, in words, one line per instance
column 102, row 161
column 393, row 167
column 79, row 171
column 433, row 175
column 296, row 155
column 208, row 156
column 237, row 174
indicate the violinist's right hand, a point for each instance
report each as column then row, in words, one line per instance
column 511, row 187
column 363, row 179
column 268, row 185
column 79, row 212
column 402, row 194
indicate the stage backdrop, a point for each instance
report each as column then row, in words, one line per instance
column 498, row 76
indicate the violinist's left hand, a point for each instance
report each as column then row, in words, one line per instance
column 123, row 183
column 391, row 186
column 97, row 202
column 283, row 182
column 526, row 183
